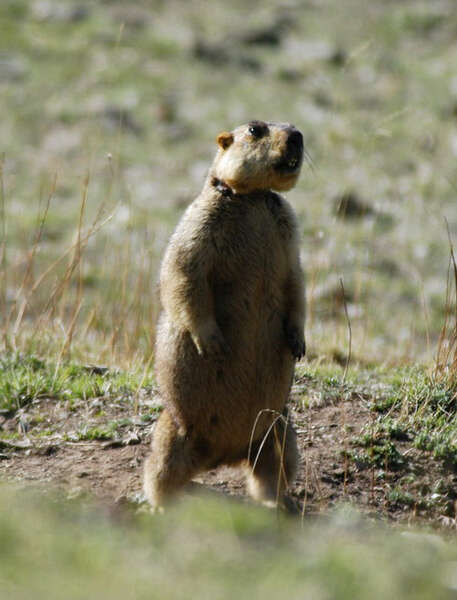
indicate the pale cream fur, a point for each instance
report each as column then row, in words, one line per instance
column 249, row 166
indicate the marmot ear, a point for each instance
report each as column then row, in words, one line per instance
column 225, row 140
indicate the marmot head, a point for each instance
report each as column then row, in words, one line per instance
column 259, row 156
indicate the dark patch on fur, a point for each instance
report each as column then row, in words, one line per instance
column 273, row 201
column 221, row 187
column 274, row 204
column 214, row 420
column 202, row 446
column 190, row 429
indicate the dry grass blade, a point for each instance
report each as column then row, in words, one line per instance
column 282, row 476
column 251, row 441
column 453, row 344
column 77, row 258
column 348, row 321
column 441, row 352
column 446, row 356
column 3, row 269
column 94, row 228
column 27, row 278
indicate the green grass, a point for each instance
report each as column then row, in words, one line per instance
column 208, row 549
column 24, row 379
column 408, row 409
column 418, row 408
column 406, row 449
column 408, row 404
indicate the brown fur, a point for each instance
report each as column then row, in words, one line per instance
column 232, row 323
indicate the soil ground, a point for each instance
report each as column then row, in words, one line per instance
column 111, row 470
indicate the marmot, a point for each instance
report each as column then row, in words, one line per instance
column 232, row 323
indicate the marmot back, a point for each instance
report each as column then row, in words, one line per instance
column 231, row 327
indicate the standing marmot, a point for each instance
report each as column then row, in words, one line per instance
column 232, row 323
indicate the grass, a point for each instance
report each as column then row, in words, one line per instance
column 24, row 379
column 409, row 419
column 111, row 118
column 419, row 409
column 406, row 448
column 235, row 550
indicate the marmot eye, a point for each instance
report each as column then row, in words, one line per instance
column 257, row 131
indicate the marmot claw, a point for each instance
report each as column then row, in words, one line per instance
column 210, row 343
column 296, row 342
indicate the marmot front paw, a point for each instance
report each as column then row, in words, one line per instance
column 295, row 341
column 209, row 341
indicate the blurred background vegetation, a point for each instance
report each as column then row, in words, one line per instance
column 109, row 113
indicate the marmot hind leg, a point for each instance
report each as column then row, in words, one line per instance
column 272, row 464
column 171, row 464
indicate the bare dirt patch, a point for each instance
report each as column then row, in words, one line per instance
column 50, row 445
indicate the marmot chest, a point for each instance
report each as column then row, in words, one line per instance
column 251, row 250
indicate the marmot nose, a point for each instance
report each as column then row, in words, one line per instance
column 295, row 139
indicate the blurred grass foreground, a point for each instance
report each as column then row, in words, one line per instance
column 210, row 550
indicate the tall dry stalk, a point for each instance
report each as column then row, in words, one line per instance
column 21, row 300
column 3, row 265
column 76, row 266
column 446, row 355
column 348, row 321
column 46, row 305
